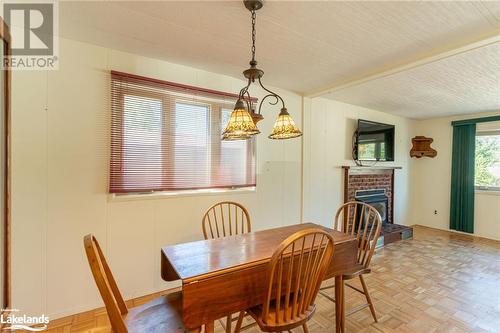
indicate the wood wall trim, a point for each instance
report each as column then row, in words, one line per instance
column 4, row 31
column 6, row 288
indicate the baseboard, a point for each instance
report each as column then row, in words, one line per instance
column 467, row 235
column 61, row 321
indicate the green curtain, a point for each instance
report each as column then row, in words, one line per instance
column 462, row 178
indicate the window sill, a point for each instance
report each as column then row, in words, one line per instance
column 177, row 194
column 488, row 192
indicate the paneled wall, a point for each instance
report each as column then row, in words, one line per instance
column 328, row 128
column 60, row 176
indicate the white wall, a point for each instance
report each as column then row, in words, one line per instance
column 432, row 191
column 60, row 167
column 328, row 128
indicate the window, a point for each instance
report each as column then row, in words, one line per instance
column 488, row 160
column 234, row 156
column 141, row 139
column 191, row 147
column 167, row 137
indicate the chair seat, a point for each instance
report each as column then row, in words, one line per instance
column 161, row 315
column 355, row 272
column 271, row 324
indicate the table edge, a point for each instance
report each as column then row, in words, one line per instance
column 195, row 278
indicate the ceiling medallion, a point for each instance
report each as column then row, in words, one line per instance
column 243, row 122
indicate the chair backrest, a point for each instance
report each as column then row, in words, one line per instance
column 363, row 221
column 115, row 306
column 295, row 273
column 226, row 218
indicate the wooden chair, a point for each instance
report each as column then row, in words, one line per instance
column 295, row 273
column 226, row 218
column 161, row 315
column 364, row 222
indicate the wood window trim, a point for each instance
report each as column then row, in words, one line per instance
column 177, row 85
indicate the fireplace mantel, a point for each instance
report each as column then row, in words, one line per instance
column 369, row 170
column 375, row 167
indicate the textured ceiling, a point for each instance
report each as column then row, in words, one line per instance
column 461, row 84
column 304, row 46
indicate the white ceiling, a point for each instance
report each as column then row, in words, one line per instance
column 309, row 46
column 464, row 83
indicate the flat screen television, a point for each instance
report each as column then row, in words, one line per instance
column 374, row 141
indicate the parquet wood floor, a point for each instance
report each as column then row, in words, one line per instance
column 437, row 282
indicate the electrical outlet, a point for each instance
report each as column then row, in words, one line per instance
column 435, row 212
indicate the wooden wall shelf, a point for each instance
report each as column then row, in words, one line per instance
column 422, row 147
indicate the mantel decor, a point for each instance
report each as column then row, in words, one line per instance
column 242, row 124
column 422, row 147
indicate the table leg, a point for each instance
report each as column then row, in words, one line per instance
column 342, row 322
column 339, row 304
column 229, row 321
column 209, row 327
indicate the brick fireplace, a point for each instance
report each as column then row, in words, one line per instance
column 375, row 186
column 373, row 181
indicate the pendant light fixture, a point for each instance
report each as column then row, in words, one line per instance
column 242, row 124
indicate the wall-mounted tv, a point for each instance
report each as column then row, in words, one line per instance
column 374, row 141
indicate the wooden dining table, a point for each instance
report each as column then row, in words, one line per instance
column 227, row 275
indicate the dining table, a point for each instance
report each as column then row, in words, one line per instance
column 227, row 275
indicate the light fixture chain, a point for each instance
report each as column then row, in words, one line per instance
column 243, row 120
column 254, row 15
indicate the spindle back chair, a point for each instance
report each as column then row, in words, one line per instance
column 113, row 300
column 362, row 221
column 226, row 218
column 161, row 315
column 295, row 273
